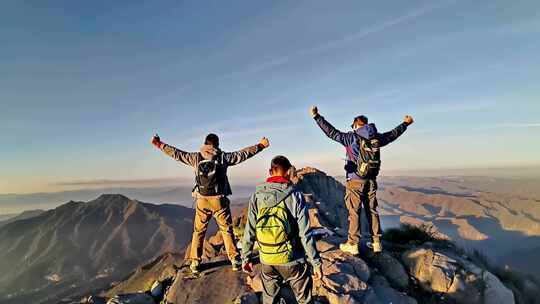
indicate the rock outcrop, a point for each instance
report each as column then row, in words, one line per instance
column 445, row 272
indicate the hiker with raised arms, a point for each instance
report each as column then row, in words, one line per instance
column 363, row 162
column 211, row 190
column 278, row 221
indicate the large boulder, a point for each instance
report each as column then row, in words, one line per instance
column 454, row 276
column 345, row 278
column 162, row 269
column 392, row 269
column 326, row 195
column 216, row 284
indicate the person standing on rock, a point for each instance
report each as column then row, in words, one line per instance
column 278, row 222
column 211, row 190
column 363, row 162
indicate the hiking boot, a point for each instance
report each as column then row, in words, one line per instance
column 194, row 267
column 375, row 246
column 350, row 248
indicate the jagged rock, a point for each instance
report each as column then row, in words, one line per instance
column 162, row 269
column 247, row 298
column 458, row 279
column 338, row 261
column 392, row 269
column 217, row 284
column 494, row 290
column 134, row 298
column 326, row 195
column 345, row 277
column 365, row 297
column 387, row 294
column 95, row 300
column 334, row 298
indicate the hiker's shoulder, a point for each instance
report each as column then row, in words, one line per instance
column 262, row 187
column 271, row 186
column 298, row 198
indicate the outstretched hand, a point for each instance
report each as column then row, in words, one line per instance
column 156, row 141
column 248, row 268
column 314, row 111
column 408, row 119
column 264, row 142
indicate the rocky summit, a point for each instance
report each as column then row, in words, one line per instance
column 416, row 267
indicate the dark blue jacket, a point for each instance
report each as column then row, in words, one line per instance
column 350, row 142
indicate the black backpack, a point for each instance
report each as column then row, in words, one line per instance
column 368, row 163
column 207, row 177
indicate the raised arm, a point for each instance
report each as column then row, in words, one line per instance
column 306, row 237
column 343, row 138
column 249, row 232
column 188, row 158
column 234, row 158
column 390, row 136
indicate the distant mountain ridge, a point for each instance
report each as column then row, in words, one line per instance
column 480, row 213
column 21, row 216
column 80, row 246
column 181, row 195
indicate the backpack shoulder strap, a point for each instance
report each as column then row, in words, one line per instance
column 285, row 195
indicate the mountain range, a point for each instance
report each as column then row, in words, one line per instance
column 77, row 247
column 82, row 246
column 498, row 217
column 417, row 266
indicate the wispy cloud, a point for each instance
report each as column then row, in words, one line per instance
column 119, row 182
column 509, row 125
column 371, row 30
column 325, row 46
column 519, row 125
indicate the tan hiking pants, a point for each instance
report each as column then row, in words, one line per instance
column 219, row 208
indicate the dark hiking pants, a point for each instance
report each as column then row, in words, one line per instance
column 362, row 193
column 297, row 276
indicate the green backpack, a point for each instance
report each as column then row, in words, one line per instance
column 274, row 232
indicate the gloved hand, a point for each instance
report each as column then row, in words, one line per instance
column 408, row 120
column 248, row 267
column 314, row 111
column 317, row 273
column 156, row 141
column 264, row 143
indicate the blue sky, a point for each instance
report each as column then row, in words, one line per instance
column 84, row 84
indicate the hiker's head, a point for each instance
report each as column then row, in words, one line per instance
column 212, row 139
column 280, row 166
column 359, row 121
